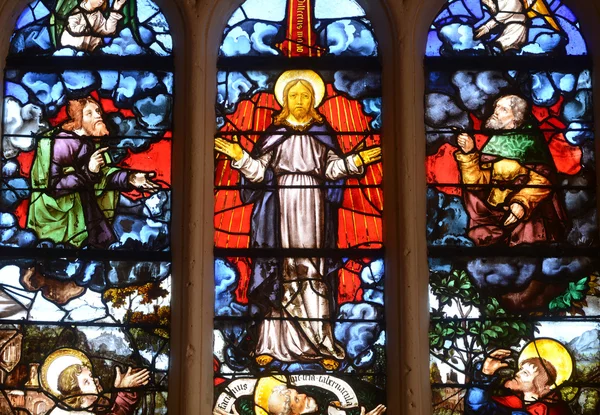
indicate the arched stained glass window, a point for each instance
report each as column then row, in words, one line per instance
column 85, row 263
column 299, row 268
column 512, row 210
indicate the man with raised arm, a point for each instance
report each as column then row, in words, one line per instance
column 295, row 176
column 76, row 189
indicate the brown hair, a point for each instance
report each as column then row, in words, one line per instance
column 546, row 373
column 102, row 8
column 518, row 106
column 68, row 386
column 285, row 112
column 75, row 112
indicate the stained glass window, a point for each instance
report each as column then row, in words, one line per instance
column 512, row 211
column 299, row 266
column 85, row 201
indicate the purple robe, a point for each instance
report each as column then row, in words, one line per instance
column 69, row 173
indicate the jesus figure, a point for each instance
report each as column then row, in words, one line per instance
column 296, row 173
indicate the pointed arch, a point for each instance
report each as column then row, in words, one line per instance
column 86, row 194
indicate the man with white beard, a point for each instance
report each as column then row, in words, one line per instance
column 521, row 206
column 76, row 189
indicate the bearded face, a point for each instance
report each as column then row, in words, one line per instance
column 504, row 116
column 299, row 101
column 91, row 122
column 524, row 380
column 290, row 399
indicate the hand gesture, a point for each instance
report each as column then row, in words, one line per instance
column 231, row 149
column 97, row 160
column 141, row 181
column 369, row 156
column 132, row 378
column 495, row 361
column 516, row 213
column 481, row 32
column 119, row 5
column 218, row 411
column 466, row 142
column 377, row 411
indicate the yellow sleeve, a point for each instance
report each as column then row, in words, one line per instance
column 470, row 168
column 530, row 197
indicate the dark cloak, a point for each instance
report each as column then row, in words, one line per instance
column 265, row 286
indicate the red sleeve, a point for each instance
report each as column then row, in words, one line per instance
column 125, row 403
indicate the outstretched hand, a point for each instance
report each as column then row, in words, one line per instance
column 142, row 181
column 132, row 378
column 231, row 149
column 119, row 5
column 369, row 156
column 380, row 409
column 516, row 214
column 495, row 361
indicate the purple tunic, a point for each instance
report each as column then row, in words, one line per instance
column 69, row 173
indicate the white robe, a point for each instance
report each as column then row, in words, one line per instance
column 512, row 15
column 85, row 30
column 298, row 161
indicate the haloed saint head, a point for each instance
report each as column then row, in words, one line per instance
column 77, row 386
column 536, row 375
column 510, row 112
column 288, row 401
column 300, row 97
column 85, row 118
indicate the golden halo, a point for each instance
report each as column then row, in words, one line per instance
column 54, row 365
column 555, row 353
column 263, row 390
column 305, row 74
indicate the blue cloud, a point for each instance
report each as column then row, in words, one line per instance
column 236, row 42
column 34, row 38
column 579, row 108
column 226, row 279
column 446, row 220
column 567, row 268
column 372, row 107
column 16, row 91
column 123, row 45
column 47, row 88
column 79, row 81
column 359, row 337
column 578, row 133
column 373, row 273
column 350, row 37
column 154, row 112
column 10, row 168
column 564, row 82
column 109, row 80
column 510, row 273
column 262, row 34
column 11, row 235
column 477, row 89
column 358, row 84
column 585, row 80
column 543, row 91
column 459, row 37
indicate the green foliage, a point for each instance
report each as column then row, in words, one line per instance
column 474, row 335
column 575, row 292
column 591, row 403
column 454, row 285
